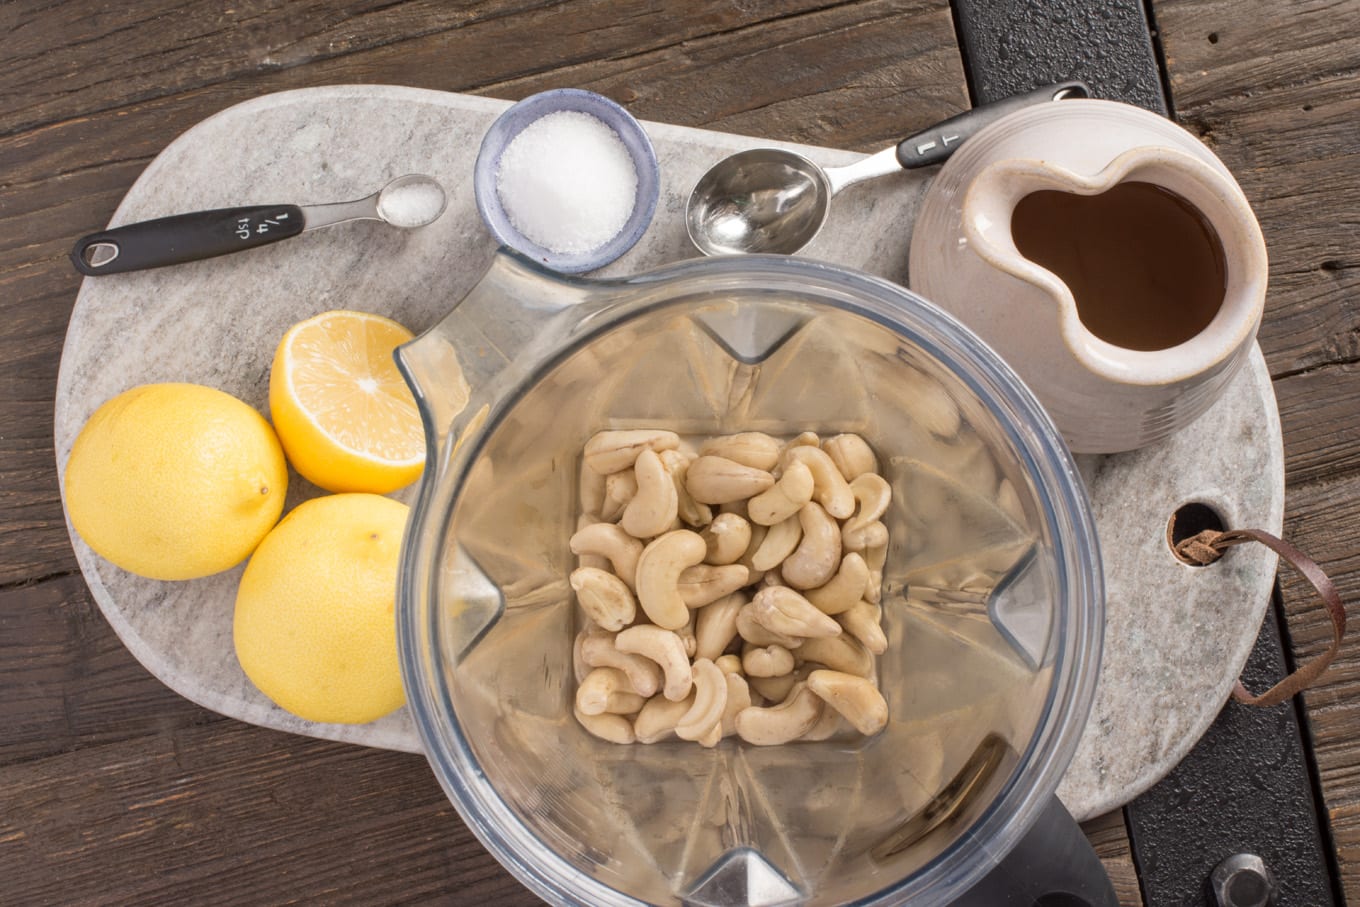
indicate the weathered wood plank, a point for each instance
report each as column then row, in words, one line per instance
column 1324, row 521
column 866, row 55
column 69, row 681
column 1320, row 419
column 1109, row 835
column 1275, row 90
column 234, row 814
column 62, row 62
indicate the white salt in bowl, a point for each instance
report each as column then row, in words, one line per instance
column 572, row 202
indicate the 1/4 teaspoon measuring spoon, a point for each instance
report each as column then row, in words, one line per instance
column 770, row 200
column 407, row 202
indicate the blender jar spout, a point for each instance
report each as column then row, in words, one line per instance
column 514, row 307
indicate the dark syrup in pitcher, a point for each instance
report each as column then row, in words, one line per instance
column 1144, row 266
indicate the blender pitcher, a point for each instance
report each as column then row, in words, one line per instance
column 992, row 595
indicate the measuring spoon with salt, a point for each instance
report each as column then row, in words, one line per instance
column 407, row 202
column 771, row 200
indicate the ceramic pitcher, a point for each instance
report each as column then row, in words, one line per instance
column 1104, row 397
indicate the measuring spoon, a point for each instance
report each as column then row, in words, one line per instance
column 770, row 200
column 407, row 202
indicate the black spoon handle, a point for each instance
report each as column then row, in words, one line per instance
column 939, row 141
column 184, row 237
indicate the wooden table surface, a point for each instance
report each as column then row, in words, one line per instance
column 115, row 790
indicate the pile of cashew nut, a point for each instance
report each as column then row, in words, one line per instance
column 732, row 591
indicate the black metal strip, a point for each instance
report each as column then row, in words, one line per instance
column 1249, row 785
column 1244, row 788
column 1010, row 46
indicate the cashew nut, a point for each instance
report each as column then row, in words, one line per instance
column 875, row 556
column 704, row 583
column 854, row 697
column 727, row 538
column 607, row 690
column 614, row 451
column 754, row 632
column 826, row 726
column 718, row 480
column 728, row 664
column 766, row 661
column 654, row 507
column 772, row 577
column 818, row 554
column 579, row 668
column 804, row 439
column 658, row 717
column 599, row 651
column 667, row 650
column 785, row 498
column 690, row 511
column 609, row 540
column 716, row 626
column 852, row 455
column 604, row 597
column 872, row 496
column 829, row 487
column 844, row 590
column 619, row 489
column 842, row 653
column 782, row 723
column 590, row 560
column 758, row 534
column 591, row 490
column 613, row 728
column 775, row 689
column 779, row 541
column 710, row 697
column 864, row 621
column 875, row 535
column 783, row 611
column 713, row 737
column 688, row 636
column 749, row 448
column 658, row 576
column 738, row 699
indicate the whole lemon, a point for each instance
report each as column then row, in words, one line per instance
column 315, row 628
column 175, row 481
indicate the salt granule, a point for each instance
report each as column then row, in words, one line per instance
column 567, row 182
column 411, row 205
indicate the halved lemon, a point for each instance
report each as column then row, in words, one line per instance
column 346, row 419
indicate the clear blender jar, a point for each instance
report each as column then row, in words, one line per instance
column 992, row 595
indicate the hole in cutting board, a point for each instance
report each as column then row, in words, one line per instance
column 1189, row 520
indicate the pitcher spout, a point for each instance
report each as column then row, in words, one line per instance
column 515, row 306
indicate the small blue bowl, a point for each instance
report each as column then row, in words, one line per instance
column 516, row 118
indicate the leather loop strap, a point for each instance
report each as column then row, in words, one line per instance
column 1208, row 546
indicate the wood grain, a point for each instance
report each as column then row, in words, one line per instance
column 231, row 814
column 115, row 790
column 1109, row 835
column 61, row 180
column 1275, row 90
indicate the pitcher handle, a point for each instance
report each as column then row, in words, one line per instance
column 1053, row 865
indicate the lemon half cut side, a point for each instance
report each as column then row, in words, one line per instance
column 347, row 419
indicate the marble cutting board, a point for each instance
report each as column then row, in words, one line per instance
column 1176, row 636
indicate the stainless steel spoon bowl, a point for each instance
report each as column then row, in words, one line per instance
column 771, row 200
column 406, row 202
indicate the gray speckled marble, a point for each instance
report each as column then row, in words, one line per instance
column 1176, row 637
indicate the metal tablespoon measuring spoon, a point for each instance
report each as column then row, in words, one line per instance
column 769, row 200
column 407, row 202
